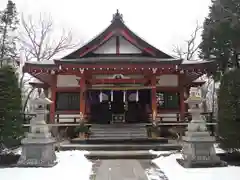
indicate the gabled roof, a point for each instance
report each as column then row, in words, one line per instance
column 116, row 33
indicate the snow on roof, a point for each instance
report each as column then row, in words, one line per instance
column 194, row 61
column 49, row 62
column 199, row 80
column 36, row 81
column 143, row 59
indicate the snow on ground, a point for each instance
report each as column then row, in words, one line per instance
column 174, row 171
column 218, row 149
column 159, row 153
column 70, row 164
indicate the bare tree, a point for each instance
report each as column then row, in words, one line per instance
column 38, row 42
column 191, row 48
column 205, row 90
column 188, row 53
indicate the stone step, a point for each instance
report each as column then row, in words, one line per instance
column 136, row 154
column 121, row 147
column 114, row 129
column 119, row 128
column 118, row 131
column 119, row 125
column 118, row 134
column 116, row 137
column 125, row 132
column 121, row 141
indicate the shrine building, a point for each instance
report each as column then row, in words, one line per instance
column 118, row 77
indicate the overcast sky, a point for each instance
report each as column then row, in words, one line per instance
column 163, row 23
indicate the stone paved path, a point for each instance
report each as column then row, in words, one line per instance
column 120, row 170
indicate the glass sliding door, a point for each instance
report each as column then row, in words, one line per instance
column 67, row 101
column 168, row 100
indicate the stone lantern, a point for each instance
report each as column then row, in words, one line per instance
column 38, row 147
column 198, row 146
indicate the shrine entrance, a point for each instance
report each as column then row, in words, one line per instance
column 117, row 102
column 118, row 106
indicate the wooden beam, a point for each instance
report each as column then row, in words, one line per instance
column 118, row 81
column 117, row 45
column 121, row 88
column 91, row 72
column 43, row 77
column 121, row 66
column 68, row 89
column 87, row 50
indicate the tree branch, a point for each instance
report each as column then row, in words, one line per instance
column 38, row 44
column 36, row 39
column 191, row 46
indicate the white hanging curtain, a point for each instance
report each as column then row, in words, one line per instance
column 111, row 95
column 124, row 96
column 101, row 97
column 137, row 96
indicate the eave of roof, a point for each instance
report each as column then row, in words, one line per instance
column 114, row 60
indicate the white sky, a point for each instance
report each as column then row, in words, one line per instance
column 163, row 23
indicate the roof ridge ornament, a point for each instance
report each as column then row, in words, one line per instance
column 117, row 16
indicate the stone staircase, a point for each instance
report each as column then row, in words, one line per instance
column 118, row 131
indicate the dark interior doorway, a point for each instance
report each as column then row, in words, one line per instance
column 117, row 103
column 134, row 111
column 137, row 111
column 99, row 111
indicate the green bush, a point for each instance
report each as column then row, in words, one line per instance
column 82, row 128
column 11, row 119
column 229, row 111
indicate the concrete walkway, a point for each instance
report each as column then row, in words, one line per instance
column 120, row 170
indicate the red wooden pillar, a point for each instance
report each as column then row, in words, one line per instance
column 182, row 104
column 154, row 96
column 82, row 95
column 182, row 98
column 53, row 90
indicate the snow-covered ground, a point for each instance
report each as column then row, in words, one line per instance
column 173, row 171
column 164, row 153
column 71, row 164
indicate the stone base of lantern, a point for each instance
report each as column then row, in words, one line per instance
column 38, row 153
column 198, row 151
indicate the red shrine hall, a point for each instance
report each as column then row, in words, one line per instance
column 117, row 78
